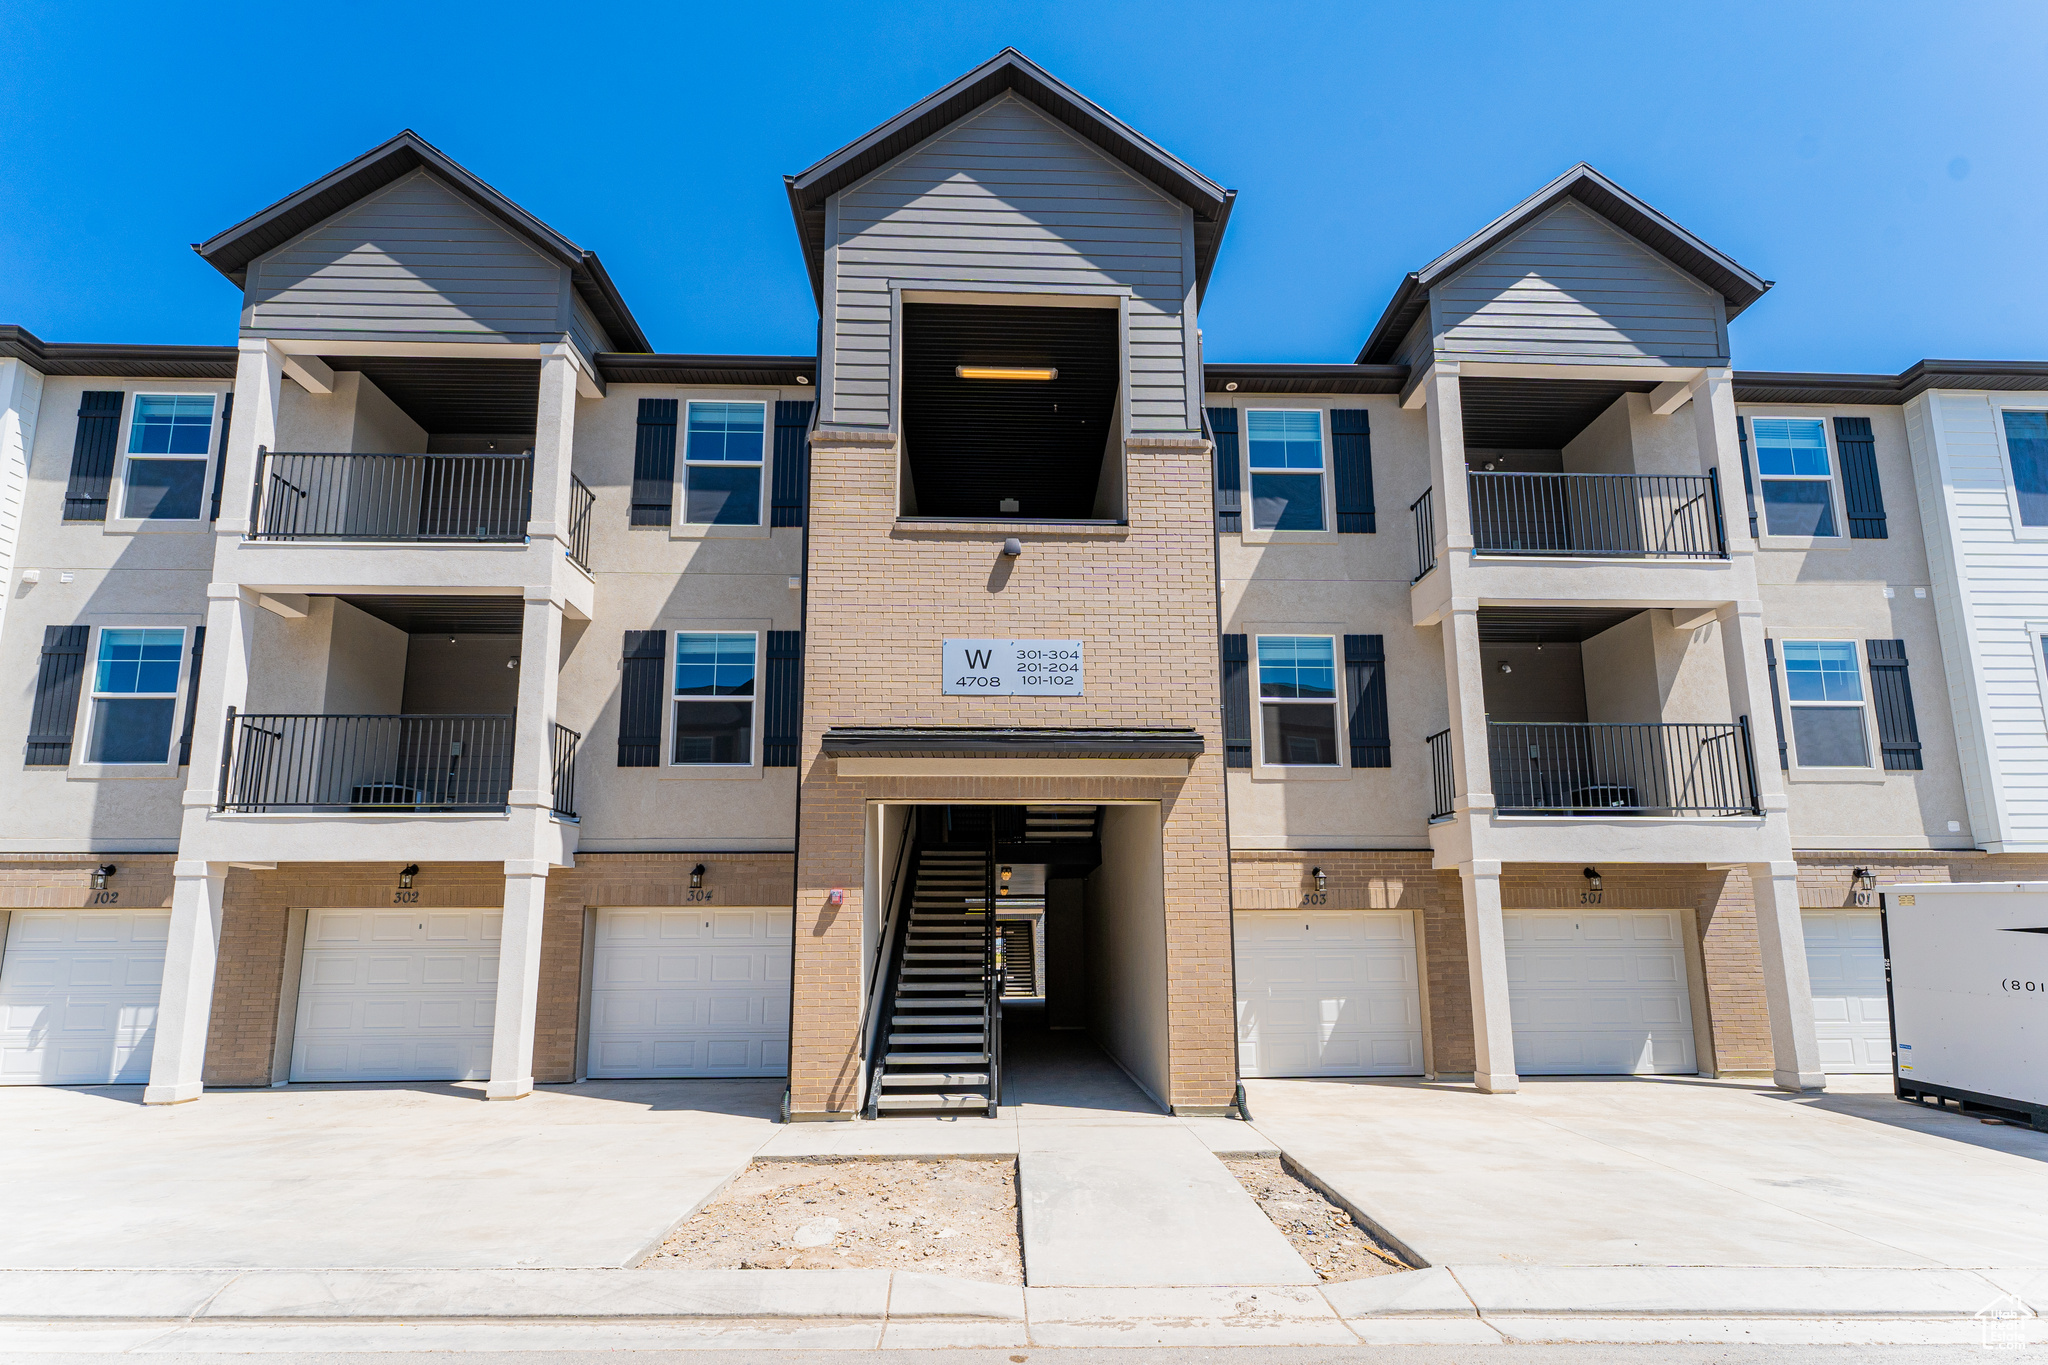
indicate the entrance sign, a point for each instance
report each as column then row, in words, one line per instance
column 1012, row 668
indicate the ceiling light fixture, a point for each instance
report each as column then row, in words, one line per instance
column 1231, row 387
column 1003, row 372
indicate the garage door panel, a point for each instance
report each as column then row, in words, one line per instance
column 1845, row 964
column 1598, row 994
column 78, row 996
column 396, row 997
column 680, row 992
column 1327, row 993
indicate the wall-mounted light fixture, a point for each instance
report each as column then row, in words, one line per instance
column 1004, row 372
column 100, row 875
column 1504, row 666
column 1322, row 882
column 697, row 877
column 1004, row 889
column 1592, row 876
column 1013, row 547
column 1866, row 880
column 406, row 874
column 512, row 662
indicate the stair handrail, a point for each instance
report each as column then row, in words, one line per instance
column 895, row 929
column 889, row 911
column 992, row 978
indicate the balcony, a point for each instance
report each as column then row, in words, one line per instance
column 1604, row 516
column 377, row 765
column 1622, row 770
column 313, row 496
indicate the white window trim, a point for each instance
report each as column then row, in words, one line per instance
column 2009, row 485
column 81, row 726
column 1873, row 770
column 2037, row 644
column 682, row 529
column 752, row 768
column 117, row 491
column 1251, row 534
column 1264, row 768
column 1838, row 507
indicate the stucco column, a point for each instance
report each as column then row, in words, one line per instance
column 185, row 1004
column 1713, row 424
column 540, row 652
column 259, row 377
column 1446, row 415
column 223, row 682
column 21, row 398
column 554, row 440
column 1788, row 994
column 1486, row 961
column 1465, row 674
column 526, row 895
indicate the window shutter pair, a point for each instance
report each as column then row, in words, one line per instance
column 1749, row 496
column 192, row 689
column 1229, row 459
column 58, row 679
column 782, row 725
column 1777, row 708
column 654, row 491
column 1860, row 488
column 792, row 487
column 1898, row 731
column 220, row 459
column 1365, row 686
column 92, row 456
column 641, row 668
column 1350, row 464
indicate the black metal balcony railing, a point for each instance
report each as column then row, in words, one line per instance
column 1442, row 785
column 314, row 496
column 562, row 765
column 1626, row 770
column 366, row 763
column 1424, row 513
column 581, row 500
column 1620, row 516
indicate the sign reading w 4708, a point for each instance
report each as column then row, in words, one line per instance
column 1012, row 668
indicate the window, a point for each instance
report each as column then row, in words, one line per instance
column 168, row 442
column 722, row 464
column 1287, row 469
column 714, row 698
column 134, row 696
column 1798, row 484
column 1298, row 700
column 1825, row 688
column 2026, row 444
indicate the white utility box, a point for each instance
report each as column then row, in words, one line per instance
column 1966, row 964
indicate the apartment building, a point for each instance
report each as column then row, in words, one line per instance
column 443, row 684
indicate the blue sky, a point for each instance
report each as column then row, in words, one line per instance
column 1883, row 162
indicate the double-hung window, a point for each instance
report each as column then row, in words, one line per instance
column 1285, row 457
column 714, row 698
column 134, row 696
column 1825, row 689
column 723, row 448
column 169, row 438
column 1298, row 700
column 2026, row 445
column 1798, row 478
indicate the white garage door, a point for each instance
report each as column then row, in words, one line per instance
column 397, row 996
column 695, row 992
column 1599, row 993
column 1328, row 993
column 1845, row 960
column 78, row 992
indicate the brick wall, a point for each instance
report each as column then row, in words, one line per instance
column 881, row 598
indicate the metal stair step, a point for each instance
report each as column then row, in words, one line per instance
column 922, row 1038
column 933, row 1102
column 934, row 1058
column 938, row 1018
column 938, row 1078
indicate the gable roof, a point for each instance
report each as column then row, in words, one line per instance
column 1008, row 70
column 1736, row 285
column 230, row 252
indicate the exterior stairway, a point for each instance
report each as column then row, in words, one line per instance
column 943, row 1020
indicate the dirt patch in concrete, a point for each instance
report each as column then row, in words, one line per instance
column 1327, row 1237
column 950, row 1217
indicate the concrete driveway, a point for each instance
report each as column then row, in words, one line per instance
column 366, row 1175
column 1669, row 1171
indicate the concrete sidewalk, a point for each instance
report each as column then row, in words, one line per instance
column 190, row 1311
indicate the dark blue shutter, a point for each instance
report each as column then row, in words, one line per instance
column 1223, row 433
column 1898, row 731
column 1365, row 684
column 640, row 670
column 792, row 487
column 654, row 466
column 1860, row 486
column 220, row 459
column 782, row 731
column 1351, row 458
column 92, row 456
column 1777, row 710
column 1748, row 487
column 192, row 695
column 56, row 706
column 1237, row 703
